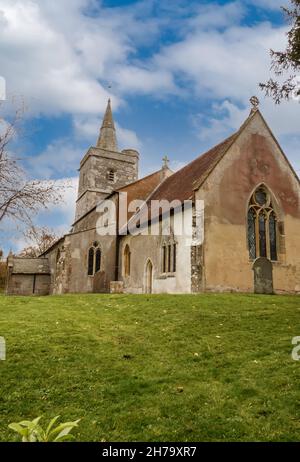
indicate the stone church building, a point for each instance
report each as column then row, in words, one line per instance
column 251, row 223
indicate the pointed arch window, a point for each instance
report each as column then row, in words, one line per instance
column 127, row 258
column 94, row 259
column 262, row 226
column 91, row 262
column 273, row 236
column 98, row 261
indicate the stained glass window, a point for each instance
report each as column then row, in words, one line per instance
column 273, row 236
column 251, row 233
column 261, row 197
column 262, row 235
column 262, row 226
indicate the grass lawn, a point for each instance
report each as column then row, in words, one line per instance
column 153, row 368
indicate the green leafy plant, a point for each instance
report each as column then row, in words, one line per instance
column 31, row 431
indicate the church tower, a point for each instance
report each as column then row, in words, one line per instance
column 104, row 168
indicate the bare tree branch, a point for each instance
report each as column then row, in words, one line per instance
column 20, row 197
column 288, row 61
column 39, row 239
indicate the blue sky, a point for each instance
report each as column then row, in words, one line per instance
column 180, row 74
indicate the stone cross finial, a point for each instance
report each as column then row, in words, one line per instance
column 254, row 102
column 166, row 162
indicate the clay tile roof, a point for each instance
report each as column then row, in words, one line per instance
column 141, row 189
column 182, row 183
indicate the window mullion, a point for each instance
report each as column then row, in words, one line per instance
column 257, row 246
column 268, row 242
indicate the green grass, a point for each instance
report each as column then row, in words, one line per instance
column 198, row 368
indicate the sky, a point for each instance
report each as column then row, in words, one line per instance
column 179, row 73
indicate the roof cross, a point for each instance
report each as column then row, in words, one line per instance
column 165, row 162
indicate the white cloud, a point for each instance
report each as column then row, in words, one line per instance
column 67, row 206
column 59, row 61
column 227, row 118
column 56, row 55
column 59, row 159
column 214, row 16
column 145, row 80
column 41, row 62
column 223, row 64
column 127, row 139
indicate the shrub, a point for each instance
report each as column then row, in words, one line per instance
column 32, row 432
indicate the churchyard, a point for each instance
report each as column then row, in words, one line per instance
column 153, row 368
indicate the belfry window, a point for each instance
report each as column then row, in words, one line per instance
column 111, row 176
column 94, row 259
column 262, row 226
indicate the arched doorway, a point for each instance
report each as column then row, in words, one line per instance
column 149, row 277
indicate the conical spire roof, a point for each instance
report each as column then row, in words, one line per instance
column 107, row 139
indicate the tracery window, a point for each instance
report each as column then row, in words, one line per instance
column 94, row 259
column 262, row 226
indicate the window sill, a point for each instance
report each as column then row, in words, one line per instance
column 275, row 262
column 167, row 275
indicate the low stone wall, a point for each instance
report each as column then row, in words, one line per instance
column 117, row 287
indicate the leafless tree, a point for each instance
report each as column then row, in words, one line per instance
column 21, row 198
column 286, row 64
column 39, row 239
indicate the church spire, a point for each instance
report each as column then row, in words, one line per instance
column 107, row 139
